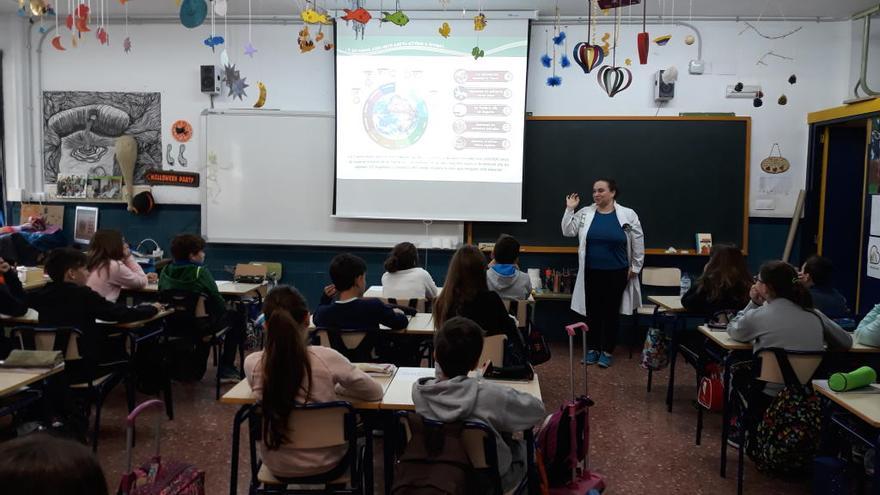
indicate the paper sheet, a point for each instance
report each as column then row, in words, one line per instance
column 873, row 265
column 875, row 214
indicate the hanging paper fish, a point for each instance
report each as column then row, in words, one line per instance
column 397, row 18
column 480, row 22
column 305, row 40
column 82, row 18
column 445, row 30
column 662, row 40
column 69, row 22
column 212, row 41
column 312, row 16
column 477, row 53
column 359, row 14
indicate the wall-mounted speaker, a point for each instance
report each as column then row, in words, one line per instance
column 210, row 79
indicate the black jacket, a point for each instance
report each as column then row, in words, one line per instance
column 12, row 298
column 488, row 311
column 697, row 300
column 67, row 304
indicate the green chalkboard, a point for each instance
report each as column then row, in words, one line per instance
column 682, row 175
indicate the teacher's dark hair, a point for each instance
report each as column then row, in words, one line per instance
column 612, row 185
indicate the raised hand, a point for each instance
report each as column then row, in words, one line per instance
column 572, row 200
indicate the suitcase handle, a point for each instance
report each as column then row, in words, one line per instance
column 129, row 426
column 573, row 328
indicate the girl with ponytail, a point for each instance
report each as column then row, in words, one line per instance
column 290, row 372
column 404, row 278
column 781, row 314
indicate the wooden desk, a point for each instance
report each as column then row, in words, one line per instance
column 670, row 304
column 398, row 397
column 29, row 318
column 35, row 284
column 723, row 340
column 32, row 317
column 420, row 324
column 12, row 380
column 544, row 295
column 375, row 291
column 241, row 394
column 864, row 405
column 226, row 287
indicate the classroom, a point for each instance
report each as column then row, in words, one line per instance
column 439, row 246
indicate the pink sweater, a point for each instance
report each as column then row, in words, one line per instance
column 332, row 374
column 108, row 280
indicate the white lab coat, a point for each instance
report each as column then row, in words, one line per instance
column 578, row 224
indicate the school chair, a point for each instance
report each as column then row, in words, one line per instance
column 274, row 270
column 472, row 442
column 359, row 346
column 493, row 350
column 322, row 425
column 521, row 310
column 190, row 320
column 774, row 366
column 85, row 376
column 655, row 280
column 420, row 304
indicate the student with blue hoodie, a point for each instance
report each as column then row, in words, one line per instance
column 503, row 275
column 453, row 396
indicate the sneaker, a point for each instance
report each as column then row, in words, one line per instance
column 591, row 358
column 605, row 360
column 229, row 374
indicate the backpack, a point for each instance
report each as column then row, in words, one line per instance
column 563, row 440
column 435, row 462
column 655, row 354
column 788, row 436
column 711, row 392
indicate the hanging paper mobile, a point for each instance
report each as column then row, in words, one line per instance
column 261, row 100
column 359, row 17
column 642, row 38
column 398, row 18
column 662, row 40
column 126, row 43
column 220, row 7
column 548, row 61
column 249, row 49
column 613, row 79
column 193, row 13
column 304, row 39
column 477, row 52
column 480, row 22
column 588, row 56
column 445, row 30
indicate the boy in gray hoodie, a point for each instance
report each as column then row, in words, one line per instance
column 453, row 396
column 503, row 275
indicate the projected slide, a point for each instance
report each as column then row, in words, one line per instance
column 414, row 106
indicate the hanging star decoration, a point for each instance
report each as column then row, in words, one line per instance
column 249, row 50
column 234, row 82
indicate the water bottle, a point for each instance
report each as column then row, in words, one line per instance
column 685, row 283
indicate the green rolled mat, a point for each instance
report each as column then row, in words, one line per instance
column 862, row 377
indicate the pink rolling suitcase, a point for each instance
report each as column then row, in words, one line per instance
column 564, row 438
column 158, row 477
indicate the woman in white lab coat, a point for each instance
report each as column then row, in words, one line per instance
column 611, row 253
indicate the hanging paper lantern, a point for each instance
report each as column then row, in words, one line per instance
column 613, row 80
column 642, row 42
column 588, row 56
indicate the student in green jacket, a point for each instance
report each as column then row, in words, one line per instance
column 188, row 272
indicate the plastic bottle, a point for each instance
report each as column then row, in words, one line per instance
column 685, row 283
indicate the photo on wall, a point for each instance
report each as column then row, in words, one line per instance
column 874, row 157
column 80, row 130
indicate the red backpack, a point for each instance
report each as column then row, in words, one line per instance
column 711, row 393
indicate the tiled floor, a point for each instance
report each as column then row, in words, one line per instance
column 636, row 444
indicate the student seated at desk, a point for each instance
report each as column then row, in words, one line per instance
column 504, row 276
column 350, row 311
column 187, row 272
column 453, row 396
column 68, row 301
column 12, row 297
column 287, row 372
column 724, row 283
column 816, row 274
column 467, row 294
column 404, row 278
column 112, row 267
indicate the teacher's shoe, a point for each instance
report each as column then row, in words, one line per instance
column 605, row 360
column 592, row 357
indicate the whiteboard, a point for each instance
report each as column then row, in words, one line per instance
column 269, row 178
